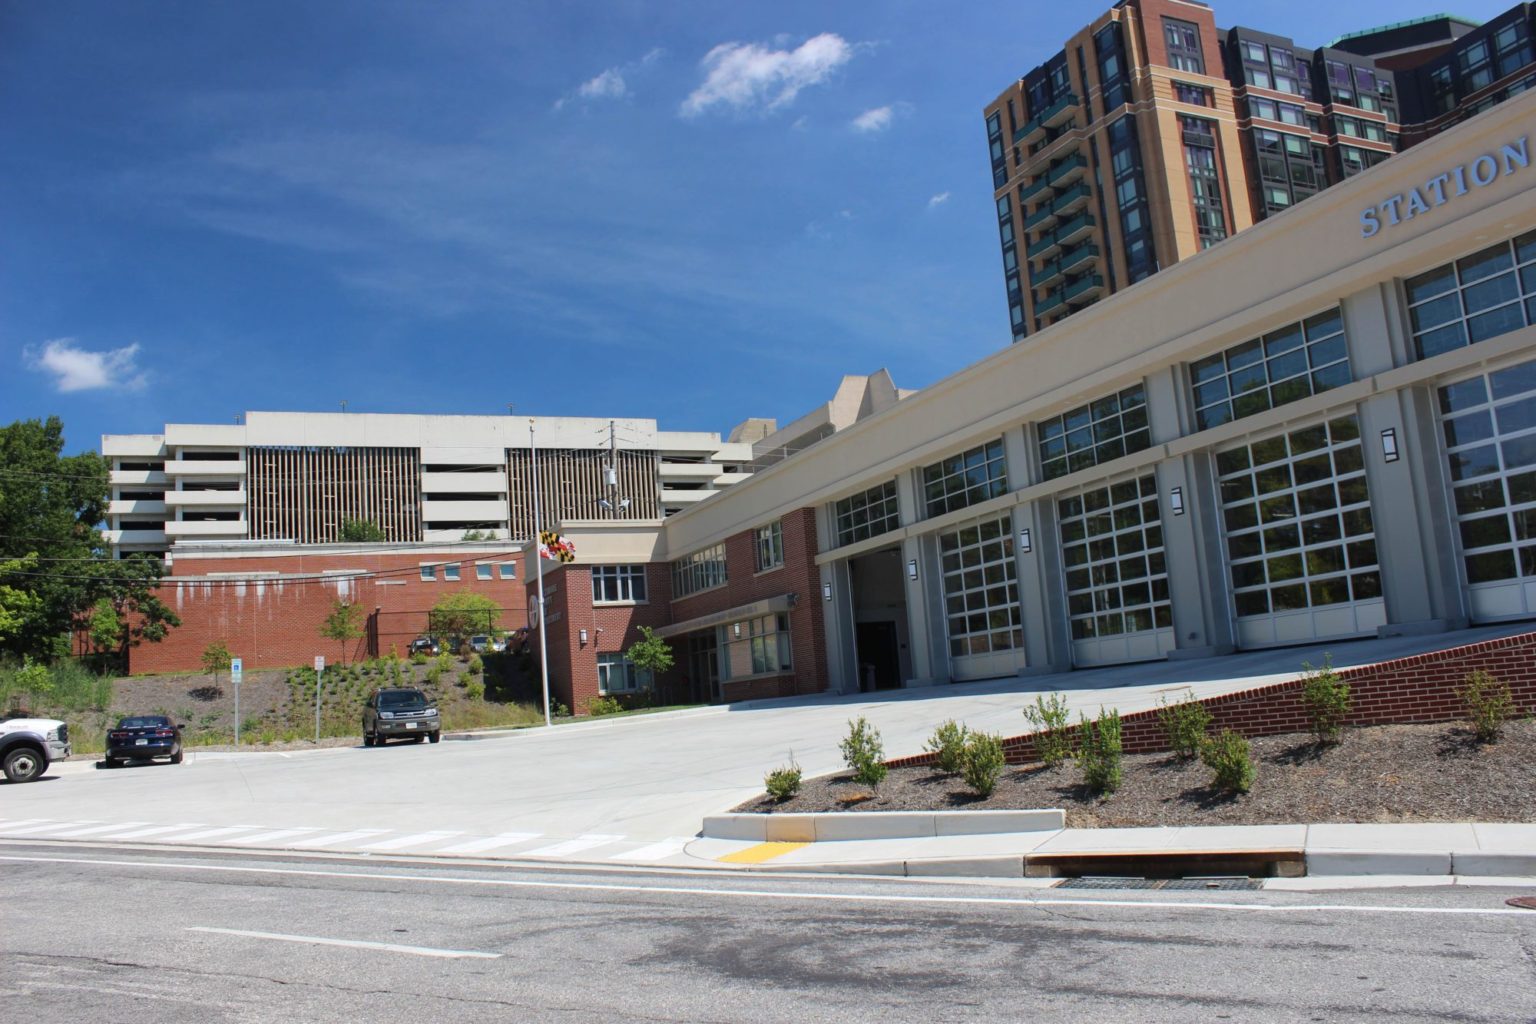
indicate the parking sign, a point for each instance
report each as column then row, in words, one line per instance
column 236, row 669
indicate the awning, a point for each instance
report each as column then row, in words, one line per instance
column 767, row 606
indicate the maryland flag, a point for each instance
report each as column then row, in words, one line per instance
column 555, row 547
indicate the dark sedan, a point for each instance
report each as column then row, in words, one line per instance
column 142, row 738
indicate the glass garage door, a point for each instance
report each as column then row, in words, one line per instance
column 981, row 600
column 1489, row 426
column 1116, row 574
column 1301, row 545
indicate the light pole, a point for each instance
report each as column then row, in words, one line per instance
column 538, row 561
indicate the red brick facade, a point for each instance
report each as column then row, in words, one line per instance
column 275, row 623
column 1422, row 688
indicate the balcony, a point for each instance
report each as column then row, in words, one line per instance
column 1050, row 117
column 202, row 530
column 1048, row 274
column 1076, row 259
column 1046, row 246
column 1050, row 303
column 1077, row 228
column 1028, row 192
column 1088, row 287
column 1067, row 170
column 205, row 499
column 135, row 506
column 1072, row 200
column 206, row 467
column 1045, row 216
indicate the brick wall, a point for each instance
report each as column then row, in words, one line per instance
column 1417, row 689
column 276, row 622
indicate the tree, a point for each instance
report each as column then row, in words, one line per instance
column 216, row 659
column 343, row 624
column 479, row 535
column 361, row 531
column 463, row 613
column 54, row 567
column 650, row 653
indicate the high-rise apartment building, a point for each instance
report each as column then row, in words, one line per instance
column 1154, row 134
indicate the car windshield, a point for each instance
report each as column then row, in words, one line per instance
column 413, row 699
column 145, row 722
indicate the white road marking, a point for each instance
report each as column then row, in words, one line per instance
column 52, row 826
column 215, row 833
column 271, row 837
column 492, row 842
column 656, row 851
column 389, row 947
column 97, row 829
column 414, row 840
column 810, row 897
column 22, row 823
column 315, row 842
column 157, row 830
column 571, row 846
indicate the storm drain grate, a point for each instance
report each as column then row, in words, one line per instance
column 1185, row 884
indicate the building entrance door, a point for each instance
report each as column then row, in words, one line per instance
column 879, row 656
column 879, row 619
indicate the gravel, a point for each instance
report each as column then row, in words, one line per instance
column 1393, row 773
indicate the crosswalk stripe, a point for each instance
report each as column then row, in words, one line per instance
column 339, row 837
column 570, row 846
column 52, row 826
column 413, row 840
column 22, row 823
column 98, row 829
column 656, row 851
column 492, row 842
column 156, row 831
column 216, row 833
column 270, row 837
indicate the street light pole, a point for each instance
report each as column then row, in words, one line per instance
column 538, row 561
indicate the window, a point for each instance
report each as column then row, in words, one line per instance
column 1106, row 429
column 1475, row 298
column 611, row 583
column 1135, row 221
column 1298, row 360
column 769, row 544
column 701, row 570
column 1298, row 522
column 965, row 479
column 1184, row 53
column 1204, row 179
column 507, row 570
column 760, row 646
column 981, row 594
column 1198, row 95
column 617, row 674
column 1112, row 549
column 867, row 515
column 483, row 571
column 428, row 573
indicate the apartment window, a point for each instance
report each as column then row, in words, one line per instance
column 507, row 570
column 1476, row 67
column 702, row 570
column 1258, row 77
column 1184, row 53
column 1477, row 297
column 1297, row 517
column 451, row 573
column 428, row 573
column 1204, row 179
column 1198, row 95
column 768, row 541
column 612, row 583
column 1253, row 51
column 1106, row 429
column 1109, row 51
column 1442, row 91
column 483, row 571
column 766, row 642
column 1513, row 44
column 1300, row 359
column 965, row 479
column 868, row 514
column 1112, row 549
column 981, row 595
column 617, row 674
column 994, row 125
column 1135, row 222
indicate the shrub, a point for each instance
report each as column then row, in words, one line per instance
column 783, row 783
column 474, row 690
column 864, row 753
column 419, row 658
column 1099, row 753
column 1489, row 704
column 476, row 665
column 982, row 762
column 948, row 741
column 1185, row 724
column 559, row 711
column 1227, row 756
column 1326, row 698
column 599, row 706
column 1049, row 717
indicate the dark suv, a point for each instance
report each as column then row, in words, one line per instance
column 399, row 712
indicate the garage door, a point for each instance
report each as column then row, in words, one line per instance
column 981, row 600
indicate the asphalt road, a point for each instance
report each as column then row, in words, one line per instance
column 94, row 934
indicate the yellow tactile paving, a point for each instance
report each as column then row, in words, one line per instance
column 761, row 852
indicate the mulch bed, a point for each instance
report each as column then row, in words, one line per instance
column 1391, row 773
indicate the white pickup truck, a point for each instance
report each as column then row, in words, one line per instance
column 27, row 745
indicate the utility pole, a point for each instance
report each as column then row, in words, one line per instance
column 538, row 561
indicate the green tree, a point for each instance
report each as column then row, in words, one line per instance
column 361, row 531
column 651, row 653
column 463, row 613
column 343, row 625
column 216, row 659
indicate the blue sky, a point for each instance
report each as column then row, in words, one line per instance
column 690, row 211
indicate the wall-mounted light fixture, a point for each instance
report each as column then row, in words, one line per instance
column 1389, row 452
column 1026, row 541
column 826, row 591
column 581, row 635
column 1176, row 500
column 912, row 569
column 736, row 629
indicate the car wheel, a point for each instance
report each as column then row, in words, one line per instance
column 23, row 765
column 176, row 758
column 106, row 762
column 434, row 736
column 378, row 740
column 367, row 740
column 418, row 738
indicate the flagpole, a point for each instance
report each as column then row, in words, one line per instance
column 538, row 561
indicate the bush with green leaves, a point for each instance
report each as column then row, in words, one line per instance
column 982, row 762
column 1185, row 725
column 784, row 782
column 864, row 752
column 476, row 665
column 948, row 742
column 419, row 658
column 1049, row 717
column 1326, row 698
column 1099, row 754
column 1489, row 704
column 1227, row 756
column 599, row 706
column 474, row 690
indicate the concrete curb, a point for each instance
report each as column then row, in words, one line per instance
column 835, row 826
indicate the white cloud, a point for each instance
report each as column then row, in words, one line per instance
column 742, row 76
column 938, row 200
column 607, row 86
column 871, row 121
column 79, row 370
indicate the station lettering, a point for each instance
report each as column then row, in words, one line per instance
column 1442, row 188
